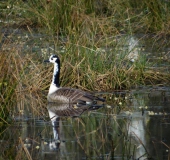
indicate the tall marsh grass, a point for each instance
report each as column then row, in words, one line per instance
column 25, row 79
column 20, row 83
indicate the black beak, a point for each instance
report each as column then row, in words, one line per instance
column 47, row 61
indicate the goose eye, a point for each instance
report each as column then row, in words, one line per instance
column 51, row 58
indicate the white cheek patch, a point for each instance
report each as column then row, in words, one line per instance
column 52, row 60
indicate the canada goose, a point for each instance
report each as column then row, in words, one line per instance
column 67, row 95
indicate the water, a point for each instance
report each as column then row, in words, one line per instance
column 140, row 131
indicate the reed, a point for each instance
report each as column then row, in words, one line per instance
column 106, row 71
column 18, row 85
column 8, row 83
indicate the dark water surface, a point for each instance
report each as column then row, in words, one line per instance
column 141, row 131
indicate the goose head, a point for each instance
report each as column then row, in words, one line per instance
column 53, row 59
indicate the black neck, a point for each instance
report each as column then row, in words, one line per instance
column 56, row 74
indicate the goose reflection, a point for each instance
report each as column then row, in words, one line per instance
column 65, row 110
